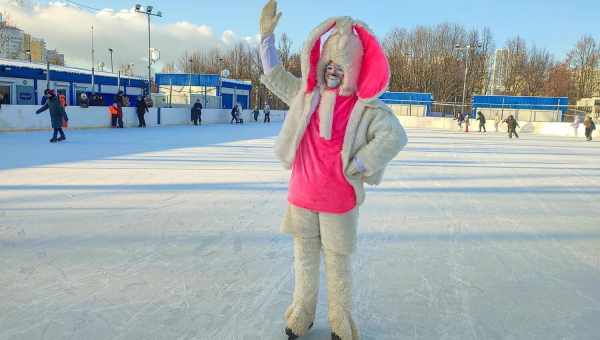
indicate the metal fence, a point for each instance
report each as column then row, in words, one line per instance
column 521, row 112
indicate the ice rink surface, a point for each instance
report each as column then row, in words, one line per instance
column 172, row 233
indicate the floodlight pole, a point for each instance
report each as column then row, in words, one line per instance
column 148, row 12
column 468, row 49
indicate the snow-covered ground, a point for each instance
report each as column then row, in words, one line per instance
column 172, row 233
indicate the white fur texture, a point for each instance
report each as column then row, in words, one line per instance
column 326, row 109
column 336, row 235
column 301, row 313
column 344, row 48
column 339, row 295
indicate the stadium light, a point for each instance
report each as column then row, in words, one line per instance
column 148, row 12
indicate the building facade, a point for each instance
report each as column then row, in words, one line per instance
column 23, row 83
column 11, row 42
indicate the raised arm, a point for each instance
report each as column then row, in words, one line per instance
column 281, row 82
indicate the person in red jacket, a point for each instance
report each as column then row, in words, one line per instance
column 116, row 114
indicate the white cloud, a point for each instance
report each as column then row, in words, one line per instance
column 228, row 38
column 67, row 29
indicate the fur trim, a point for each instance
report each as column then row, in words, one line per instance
column 373, row 74
column 344, row 48
column 339, row 296
column 311, row 54
column 326, row 109
column 282, row 84
column 307, row 256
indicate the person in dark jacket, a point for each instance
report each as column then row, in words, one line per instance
column 58, row 115
column 197, row 112
column 84, row 101
column 120, row 99
column 460, row 119
column 235, row 115
column 1, row 100
column 141, row 109
column 512, row 124
column 255, row 113
column 481, row 119
column 96, row 100
column 45, row 97
column 590, row 126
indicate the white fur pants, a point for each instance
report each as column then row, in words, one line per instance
column 336, row 235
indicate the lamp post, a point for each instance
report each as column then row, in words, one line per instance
column 112, row 70
column 190, row 77
column 466, row 48
column 148, row 12
column 219, row 93
column 93, row 65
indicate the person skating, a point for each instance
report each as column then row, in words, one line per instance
column 575, row 125
column 481, row 119
column 58, row 115
column 590, row 126
column 235, row 115
column 267, row 113
column 512, row 125
column 336, row 137
column 141, row 109
column 255, row 113
column 460, row 120
column 497, row 121
column 197, row 112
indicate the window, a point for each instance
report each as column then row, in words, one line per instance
column 5, row 91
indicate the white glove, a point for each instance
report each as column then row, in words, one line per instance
column 269, row 18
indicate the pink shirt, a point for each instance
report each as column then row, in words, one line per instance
column 318, row 182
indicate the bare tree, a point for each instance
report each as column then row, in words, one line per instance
column 536, row 72
column 425, row 60
column 169, row 68
column 516, row 61
column 584, row 58
column 560, row 82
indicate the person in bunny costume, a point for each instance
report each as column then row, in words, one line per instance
column 337, row 136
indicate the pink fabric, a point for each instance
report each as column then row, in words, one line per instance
column 375, row 72
column 318, row 182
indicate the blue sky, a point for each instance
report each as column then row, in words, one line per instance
column 555, row 25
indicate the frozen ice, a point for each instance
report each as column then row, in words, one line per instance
column 172, row 233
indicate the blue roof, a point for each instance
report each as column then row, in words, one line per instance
column 518, row 102
column 236, row 84
column 185, row 79
column 406, row 98
column 24, row 70
column 210, row 80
